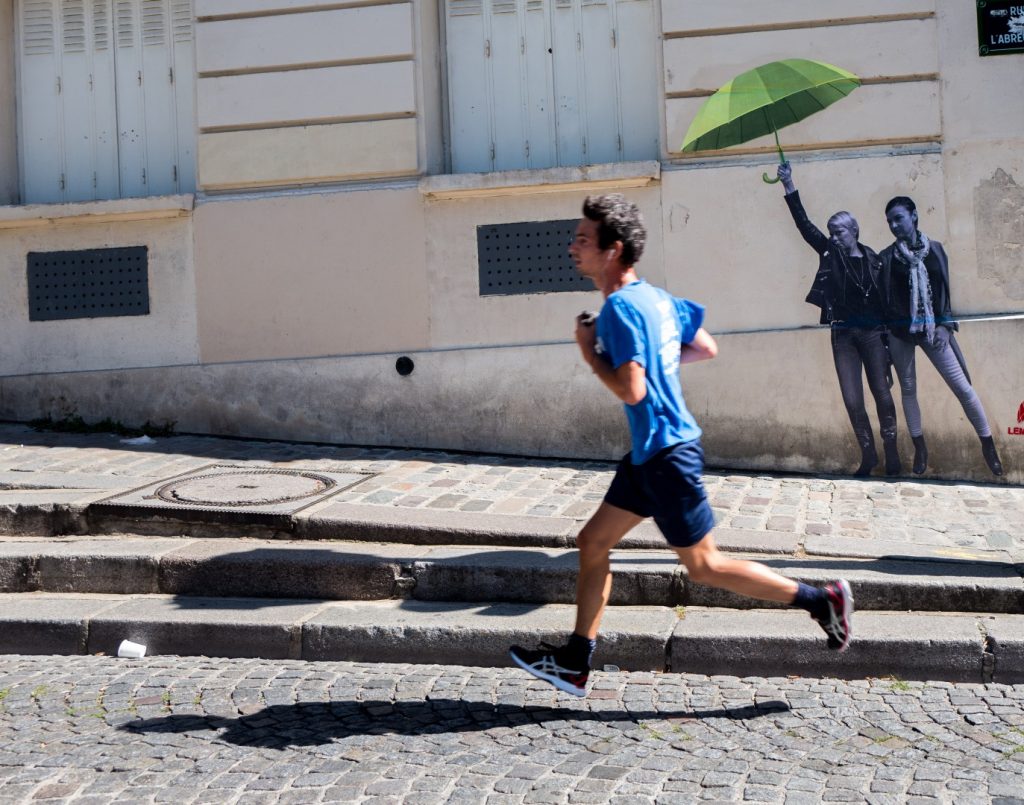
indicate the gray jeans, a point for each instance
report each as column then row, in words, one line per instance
column 946, row 364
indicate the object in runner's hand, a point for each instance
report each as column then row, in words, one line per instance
column 587, row 318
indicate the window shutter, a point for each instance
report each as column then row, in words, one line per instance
column 568, row 69
column 183, row 59
column 42, row 150
column 131, row 138
column 87, row 100
column 600, row 83
column 468, row 86
column 158, row 98
column 636, row 32
column 540, row 106
column 507, row 86
column 107, row 184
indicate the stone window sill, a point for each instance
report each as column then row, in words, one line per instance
column 612, row 176
column 94, row 212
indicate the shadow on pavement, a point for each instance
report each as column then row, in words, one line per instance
column 312, row 724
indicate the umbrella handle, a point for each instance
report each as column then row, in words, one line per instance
column 782, row 158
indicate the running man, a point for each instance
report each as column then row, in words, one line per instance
column 641, row 337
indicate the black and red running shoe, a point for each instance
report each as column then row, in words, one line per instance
column 544, row 664
column 838, row 622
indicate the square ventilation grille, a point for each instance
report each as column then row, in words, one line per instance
column 527, row 258
column 88, row 283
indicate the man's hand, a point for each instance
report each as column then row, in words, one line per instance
column 586, row 337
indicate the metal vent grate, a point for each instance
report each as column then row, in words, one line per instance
column 90, row 283
column 529, row 257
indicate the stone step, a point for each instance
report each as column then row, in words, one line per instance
column 337, row 570
column 951, row 647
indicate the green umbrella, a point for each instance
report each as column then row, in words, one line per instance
column 764, row 100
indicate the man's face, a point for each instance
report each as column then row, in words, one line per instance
column 844, row 235
column 902, row 222
column 588, row 257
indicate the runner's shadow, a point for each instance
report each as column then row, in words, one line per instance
column 312, row 724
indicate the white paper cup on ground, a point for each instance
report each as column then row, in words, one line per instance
column 130, row 649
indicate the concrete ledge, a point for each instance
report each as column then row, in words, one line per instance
column 47, row 624
column 633, row 638
column 537, row 575
column 349, row 521
column 891, row 549
column 350, row 571
column 597, row 178
column 909, row 646
column 950, row 647
column 216, row 627
column 125, row 209
column 42, row 512
column 1006, row 643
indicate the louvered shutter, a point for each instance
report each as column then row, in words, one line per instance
column 507, row 85
column 107, row 179
column 42, row 155
column 639, row 95
column 131, row 127
column 468, row 86
column 183, row 59
column 540, row 106
column 599, row 82
column 569, row 74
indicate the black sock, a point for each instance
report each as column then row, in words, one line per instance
column 812, row 599
column 579, row 651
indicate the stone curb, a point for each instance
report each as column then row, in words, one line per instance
column 954, row 648
column 363, row 571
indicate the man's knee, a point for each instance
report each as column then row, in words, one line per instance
column 592, row 543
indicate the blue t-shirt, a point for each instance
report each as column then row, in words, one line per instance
column 648, row 325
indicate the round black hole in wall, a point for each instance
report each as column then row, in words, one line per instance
column 404, row 366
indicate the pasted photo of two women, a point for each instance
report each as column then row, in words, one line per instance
column 891, row 315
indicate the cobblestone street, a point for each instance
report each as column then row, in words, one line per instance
column 195, row 730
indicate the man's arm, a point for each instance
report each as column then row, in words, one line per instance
column 628, row 382
column 702, row 348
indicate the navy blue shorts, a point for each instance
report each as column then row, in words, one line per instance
column 668, row 488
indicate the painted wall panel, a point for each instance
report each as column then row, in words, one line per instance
column 904, row 112
column 211, row 8
column 8, row 131
column 879, row 49
column 685, row 16
column 311, row 275
column 301, row 154
column 166, row 336
column 301, row 95
column 323, row 36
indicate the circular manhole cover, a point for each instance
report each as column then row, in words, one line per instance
column 245, row 488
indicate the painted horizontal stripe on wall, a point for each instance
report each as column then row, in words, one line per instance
column 263, row 99
column 889, row 113
column 207, row 10
column 864, row 80
column 899, row 48
column 306, row 154
column 683, row 17
column 352, row 35
column 799, row 26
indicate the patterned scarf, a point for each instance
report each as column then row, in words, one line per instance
column 922, row 317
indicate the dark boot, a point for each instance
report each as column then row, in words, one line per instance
column 868, row 456
column 920, row 454
column 893, row 466
column 988, row 450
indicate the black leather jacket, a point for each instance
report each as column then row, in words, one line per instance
column 895, row 271
column 834, row 289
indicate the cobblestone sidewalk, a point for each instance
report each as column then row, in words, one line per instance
column 185, row 730
column 929, row 513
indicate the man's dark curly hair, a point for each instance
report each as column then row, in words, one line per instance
column 617, row 219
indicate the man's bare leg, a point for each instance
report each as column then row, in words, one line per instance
column 706, row 565
column 603, row 531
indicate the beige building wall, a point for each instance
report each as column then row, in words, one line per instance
column 310, row 93
column 166, row 336
column 8, row 119
column 338, row 273
column 324, row 248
